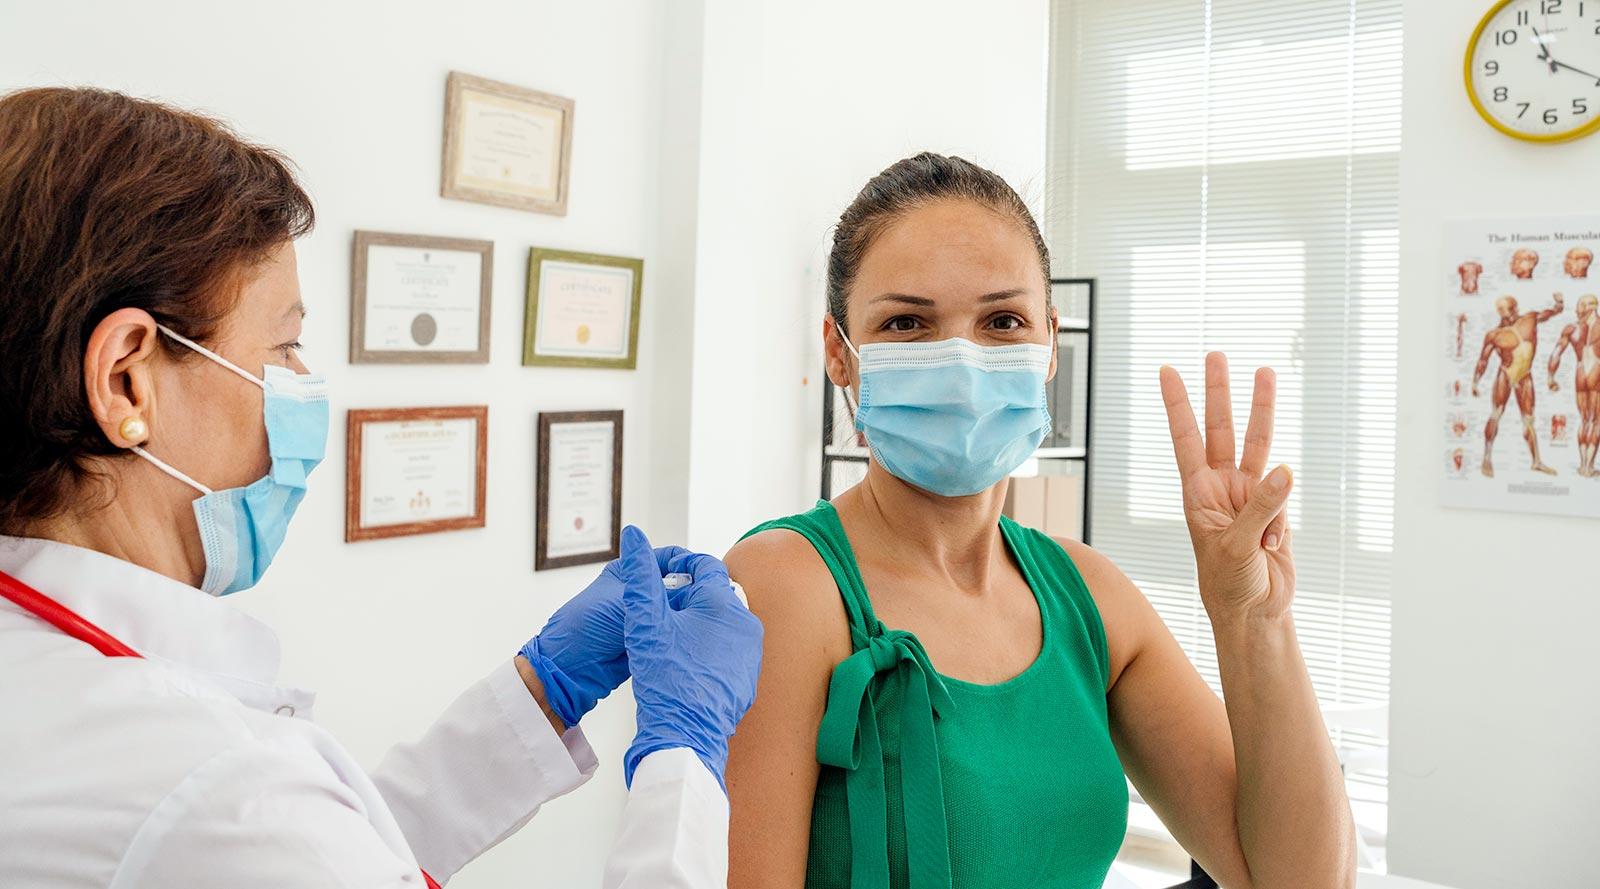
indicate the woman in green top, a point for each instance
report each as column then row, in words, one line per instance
column 948, row 699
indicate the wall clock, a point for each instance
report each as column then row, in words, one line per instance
column 1533, row 68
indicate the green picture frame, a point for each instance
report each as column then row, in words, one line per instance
column 582, row 310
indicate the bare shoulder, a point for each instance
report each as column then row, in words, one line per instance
column 792, row 591
column 1124, row 611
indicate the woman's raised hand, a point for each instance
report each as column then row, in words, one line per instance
column 1237, row 518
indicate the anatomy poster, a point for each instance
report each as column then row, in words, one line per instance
column 1522, row 366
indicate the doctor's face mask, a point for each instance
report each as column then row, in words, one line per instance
column 241, row 529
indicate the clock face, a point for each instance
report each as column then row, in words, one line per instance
column 1534, row 68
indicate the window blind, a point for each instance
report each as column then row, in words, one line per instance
column 1228, row 170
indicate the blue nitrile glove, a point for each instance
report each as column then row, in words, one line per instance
column 694, row 661
column 579, row 655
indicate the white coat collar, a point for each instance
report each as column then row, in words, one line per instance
column 157, row 616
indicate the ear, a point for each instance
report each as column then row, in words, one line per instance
column 1055, row 343
column 117, row 373
column 839, row 359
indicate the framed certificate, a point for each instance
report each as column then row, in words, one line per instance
column 417, row 299
column 415, row 471
column 583, row 310
column 506, row 145
column 580, row 489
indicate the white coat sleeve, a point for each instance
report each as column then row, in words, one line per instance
column 674, row 829
column 264, row 815
column 479, row 774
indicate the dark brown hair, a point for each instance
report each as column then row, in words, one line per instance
column 905, row 186
column 109, row 202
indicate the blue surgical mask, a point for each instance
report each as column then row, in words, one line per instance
column 242, row 528
column 952, row 417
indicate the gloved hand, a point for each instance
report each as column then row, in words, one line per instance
column 694, row 661
column 579, row 655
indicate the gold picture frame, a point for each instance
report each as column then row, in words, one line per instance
column 582, row 310
column 506, row 145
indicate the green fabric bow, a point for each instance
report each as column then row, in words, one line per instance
column 848, row 739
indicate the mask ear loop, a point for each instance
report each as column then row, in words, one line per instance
column 162, row 465
column 845, row 390
column 157, row 461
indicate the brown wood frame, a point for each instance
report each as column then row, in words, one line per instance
column 458, row 82
column 359, row 354
column 541, row 560
column 352, row 493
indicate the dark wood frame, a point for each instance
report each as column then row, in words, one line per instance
column 359, row 354
column 541, row 560
column 352, row 494
column 454, row 85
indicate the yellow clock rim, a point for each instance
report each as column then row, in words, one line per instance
column 1472, row 93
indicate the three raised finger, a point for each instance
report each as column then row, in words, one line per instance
column 1187, row 445
column 1219, row 413
column 1258, row 434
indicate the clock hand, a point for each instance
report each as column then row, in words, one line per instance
column 1544, row 51
column 1555, row 64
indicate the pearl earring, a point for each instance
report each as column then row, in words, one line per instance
column 133, row 429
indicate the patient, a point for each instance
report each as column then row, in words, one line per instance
column 950, row 699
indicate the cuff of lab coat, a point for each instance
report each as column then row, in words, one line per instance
column 674, row 829
column 479, row 773
column 566, row 761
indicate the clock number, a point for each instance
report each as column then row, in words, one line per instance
column 1491, row 68
column 1522, row 17
column 1550, row 116
column 1579, row 107
column 1500, row 94
column 1524, row 107
column 1506, row 37
column 1549, row 7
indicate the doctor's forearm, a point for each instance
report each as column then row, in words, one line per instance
column 1293, row 814
column 530, row 678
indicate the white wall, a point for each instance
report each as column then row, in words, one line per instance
column 1494, row 782
column 804, row 102
column 390, row 631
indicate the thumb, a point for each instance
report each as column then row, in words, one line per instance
column 644, row 597
column 1266, row 502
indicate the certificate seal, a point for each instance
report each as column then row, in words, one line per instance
column 424, row 329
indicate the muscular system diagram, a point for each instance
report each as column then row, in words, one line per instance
column 1576, row 265
column 1523, row 262
column 1583, row 336
column 1469, row 272
column 1513, row 343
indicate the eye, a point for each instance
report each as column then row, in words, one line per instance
column 289, row 350
column 1008, row 322
column 901, row 324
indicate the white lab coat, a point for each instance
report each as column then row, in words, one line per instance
column 192, row 768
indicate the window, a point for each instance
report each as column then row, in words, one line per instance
column 1228, row 170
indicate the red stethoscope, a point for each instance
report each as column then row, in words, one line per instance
column 77, row 627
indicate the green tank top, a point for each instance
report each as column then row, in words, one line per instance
column 929, row 782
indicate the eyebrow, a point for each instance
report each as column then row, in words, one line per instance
column 923, row 301
column 298, row 307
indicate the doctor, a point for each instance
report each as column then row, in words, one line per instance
column 156, row 430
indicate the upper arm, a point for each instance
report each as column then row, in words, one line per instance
column 264, row 815
column 1170, row 729
column 772, row 761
